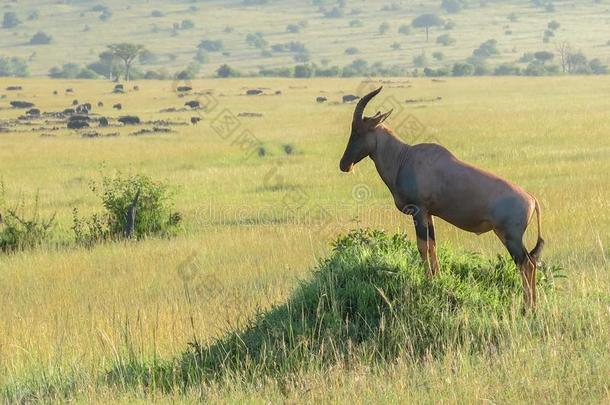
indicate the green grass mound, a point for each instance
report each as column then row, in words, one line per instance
column 370, row 302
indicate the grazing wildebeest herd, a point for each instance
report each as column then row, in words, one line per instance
column 426, row 180
column 81, row 116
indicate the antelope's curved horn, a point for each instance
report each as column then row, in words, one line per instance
column 362, row 104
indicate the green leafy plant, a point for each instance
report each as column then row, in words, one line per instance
column 153, row 210
column 18, row 231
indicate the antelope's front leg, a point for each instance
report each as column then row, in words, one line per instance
column 421, row 231
column 432, row 247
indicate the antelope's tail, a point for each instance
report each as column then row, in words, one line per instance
column 537, row 250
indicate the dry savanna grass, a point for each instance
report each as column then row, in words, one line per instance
column 256, row 220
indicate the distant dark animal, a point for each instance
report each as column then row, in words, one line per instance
column 74, row 102
column 426, row 181
column 183, row 89
column 78, row 124
column 103, row 121
column 278, row 93
column 136, row 87
column 79, row 118
column 195, row 120
column 100, row 104
column 254, row 92
column 69, row 90
column 55, row 92
column 129, row 120
column 117, row 106
column 350, row 98
column 14, row 88
column 33, row 112
column 22, row 104
column 321, row 99
column 193, row 104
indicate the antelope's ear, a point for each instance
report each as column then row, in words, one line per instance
column 379, row 118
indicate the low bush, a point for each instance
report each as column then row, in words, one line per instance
column 17, row 230
column 153, row 210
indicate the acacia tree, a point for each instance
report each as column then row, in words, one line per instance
column 10, row 20
column 426, row 21
column 127, row 53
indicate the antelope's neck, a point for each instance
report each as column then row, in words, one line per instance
column 388, row 156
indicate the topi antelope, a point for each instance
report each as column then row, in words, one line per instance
column 426, row 180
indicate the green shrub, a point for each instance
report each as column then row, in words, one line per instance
column 225, row 71
column 486, row 49
column 438, row 55
column 445, row 40
column 462, row 69
column 384, row 27
column 420, row 60
column 404, row 29
column 154, row 215
column 17, row 232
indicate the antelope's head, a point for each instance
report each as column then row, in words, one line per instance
column 362, row 140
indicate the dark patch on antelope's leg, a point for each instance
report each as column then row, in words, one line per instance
column 421, row 231
column 432, row 247
column 527, row 268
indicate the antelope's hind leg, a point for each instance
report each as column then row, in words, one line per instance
column 518, row 252
column 423, row 240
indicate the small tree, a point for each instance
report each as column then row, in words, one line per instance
column 544, row 56
column 452, row 6
column 255, row 40
column 13, row 66
column 187, row 24
column 303, row 71
column 597, row 67
column 486, row 49
column 211, row 45
column 427, row 21
column 404, row 29
column 225, row 71
column 40, row 38
column 127, row 53
column 10, row 20
column 420, row 60
column 293, row 28
column 445, row 40
column 462, row 69
column 384, row 28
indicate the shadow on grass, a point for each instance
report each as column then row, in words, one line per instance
column 369, row 302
